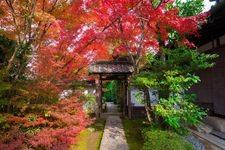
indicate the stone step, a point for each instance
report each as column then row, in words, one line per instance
column 211, row 139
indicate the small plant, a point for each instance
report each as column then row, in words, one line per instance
column 179, row 112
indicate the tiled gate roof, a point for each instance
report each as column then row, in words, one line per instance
column 111, row 67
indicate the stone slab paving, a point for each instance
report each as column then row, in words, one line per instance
column 113, row 136
column 111, row 107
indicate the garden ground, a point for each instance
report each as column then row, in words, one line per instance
column 132, row 130
column 90, row 138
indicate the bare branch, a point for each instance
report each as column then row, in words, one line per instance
column 141, row 41
column 125, row 42
column 13, row 13
column 53, row 6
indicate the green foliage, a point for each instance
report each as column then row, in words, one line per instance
column 141, row 136
column 142, row 81
column 22, row 97
column 139, row 97
column 78, row 85
column 189, row 7
column 19, row 63
column 164, row 140
column 3, row 123
column 186, row 8
column 110, row 93
column 90, row 102
column 179, row 112
column 177, row 82
column 132, row 128
column 4, row 86
column 172, row 74
column 156, row 3
column 113, row 91
column 6, row 49
column 89, row 139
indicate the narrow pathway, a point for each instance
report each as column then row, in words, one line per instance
column 111, row 107
column 113, row 136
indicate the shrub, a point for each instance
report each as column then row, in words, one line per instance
column 3, row 123
column 172, row 74
column 54, row 128
column 164, row 140
column 179, row 112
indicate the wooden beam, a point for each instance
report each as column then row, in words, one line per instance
column 125, row 102
column 113, row 77
column 124, row 97
column 98, row 97
column 129, row 99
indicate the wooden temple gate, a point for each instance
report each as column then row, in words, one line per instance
column 112, row 70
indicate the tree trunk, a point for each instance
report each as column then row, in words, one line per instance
column 9, row 66
column 129, row 99
column 98, row 94
column 147, row 104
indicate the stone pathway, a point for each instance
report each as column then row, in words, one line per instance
column 113, row 136
column 111, row 107
column 112, row 110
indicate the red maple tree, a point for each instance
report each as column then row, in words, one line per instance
column 136, row 27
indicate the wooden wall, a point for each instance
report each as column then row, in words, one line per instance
column 211, row 90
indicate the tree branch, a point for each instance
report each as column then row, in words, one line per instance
column 125, row 41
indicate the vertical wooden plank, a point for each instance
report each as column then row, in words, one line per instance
column 129, row 99
column 98, row 97
column 124, row 98
column 125, row 102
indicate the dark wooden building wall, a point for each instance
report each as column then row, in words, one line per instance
column 211, row 90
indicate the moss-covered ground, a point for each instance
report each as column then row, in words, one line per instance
column 132, row 130
column 143, row 137
column 90, row 138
